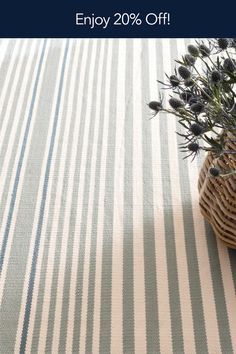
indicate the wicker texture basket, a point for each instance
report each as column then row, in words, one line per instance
column 218, row 196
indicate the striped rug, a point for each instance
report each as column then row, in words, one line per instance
column 103, row 248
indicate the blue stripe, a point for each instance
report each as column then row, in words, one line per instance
column 20, row 162
column 42, row 207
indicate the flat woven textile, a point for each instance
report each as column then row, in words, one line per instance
column 103, row 247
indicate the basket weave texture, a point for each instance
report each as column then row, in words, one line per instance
column 218, row 195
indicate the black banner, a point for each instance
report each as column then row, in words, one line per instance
column 90, row 19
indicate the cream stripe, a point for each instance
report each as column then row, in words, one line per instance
column 4, row 93
column 71, row 181
column 36, row 213
column 97, row 295
column 13, row 129
column 41, row 249
column 11, row 232
column 229, row 289
column 81, row 188
column 76, row 244
column 73, row 166
column 56, row 208
column 183, row 279
column 52, row 242
column 6, row 160
column 61, row 174
column 19, row 101
column 212, row 331
column 90, row 208
column 3, row 50
column 117, row 244
column 76, row 130
column 4, row 118
column 161, row 260
column 11, row 98
column 138, row 251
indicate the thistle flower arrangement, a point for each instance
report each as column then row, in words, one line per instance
column 204, row 100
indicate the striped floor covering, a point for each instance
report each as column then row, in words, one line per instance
column 103, row 248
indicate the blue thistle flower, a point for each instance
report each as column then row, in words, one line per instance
column 184, row 72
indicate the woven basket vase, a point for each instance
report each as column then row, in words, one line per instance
column 218, row 196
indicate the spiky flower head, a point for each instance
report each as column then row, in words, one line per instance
column 193, row 100
column 197, row 107
column 194, row 147
column 223, row 43
column 204, row 98
column 215, row 172
column 155, row 106
column 184, row 72
column 196, row 129
column 204, row 50
column 175, row 103
column 229, row 65
column 189, row 82
column 186, row 95
column 189, row 59
column 174, row 80
column 233, row 42
column 193, row 50
column 215, row 77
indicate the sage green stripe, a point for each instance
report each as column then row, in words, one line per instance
column 13, row 109
column 84, row 206
column 49, row 227
column 128, row 271
column 69, row 250
column 40, row 298
column 43, row 116
column 174, row 294
column 20, row 246
column 74, row 211
column 106, row 290
column 3, row 68
column 152, row 323
column 53, row 206
column 192, row 260
column 190, row 243
column 219, row 295
column 12, row 78
column 93, row 247
column 17, row 107
column 4, row 142
column 72, row 231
